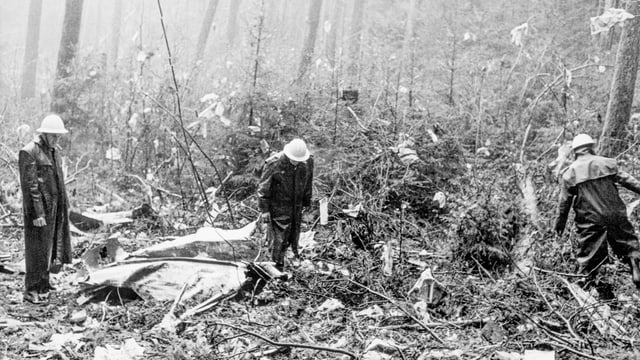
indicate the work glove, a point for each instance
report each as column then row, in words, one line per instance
column 39, row 222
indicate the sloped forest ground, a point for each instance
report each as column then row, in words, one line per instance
column 338, row 297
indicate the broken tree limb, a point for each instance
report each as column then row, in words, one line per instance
column 598, row 313
column 456, row 324
column 111, row 193
column 394, row 303
column 185, row 148
column 566, row 322
column 151, row 186
column 288, row 345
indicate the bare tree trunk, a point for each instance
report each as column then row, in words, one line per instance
column 67, row 51
column 407, row 45
column 205, row 29
column 115, row 33
column 612, row 140
column 232, row 25
column 332, row 37
column 30, row 63
column 356, row 35
column 313, row 19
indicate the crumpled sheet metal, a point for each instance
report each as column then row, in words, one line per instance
column 164, row 278
column 214, row 242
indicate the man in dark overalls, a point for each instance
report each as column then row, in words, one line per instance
column 45, row 207
column 589, row 183
column 284, row 190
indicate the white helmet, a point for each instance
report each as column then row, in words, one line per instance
column 52, row 124
column 297, row 150
column 581, row 140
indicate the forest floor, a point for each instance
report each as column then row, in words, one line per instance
column 337, row 298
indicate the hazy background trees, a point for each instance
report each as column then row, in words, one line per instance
column 489, row 69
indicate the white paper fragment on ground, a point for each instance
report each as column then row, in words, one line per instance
column 209, row 97
column 372, row 312
column 78, row 317
column 353, row 211
column 632, row 206
column 387, row 259
column 608, row 19
column 374, row 355
column 539, row 355
column 382, row 349
column 433, row 136
column 220, row 109
column 306, row 240
column 330, row 305
column 504, row 355
column 129, row 350
column 207, row 113
column 442, row 354
column 427, row 289
column 483, row 151
column 407, row 156
column 113, row 154
column 324, row 211
column 440, row 198
column 57, row 341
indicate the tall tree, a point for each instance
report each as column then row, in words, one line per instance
column 206, row 29
column 67, row 52
column 357, row 17
column 313, row 20
column 115, row 33
column 612, row 140
column 407, row 46
column 232, row 25
column 332, row 36
column 30, row 63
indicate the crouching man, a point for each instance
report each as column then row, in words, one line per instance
column 590, row 184
column 45, row 208
column 283, row 192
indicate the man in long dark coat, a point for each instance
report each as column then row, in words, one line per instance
column 284, row 190
column 589, row 183
column 45, row 208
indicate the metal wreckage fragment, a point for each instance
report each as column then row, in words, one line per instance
column 212, row 263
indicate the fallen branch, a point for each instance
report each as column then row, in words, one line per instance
column 8, row 323
column 564, row 319
column 577, row 352
column 598, row 313
column 457, row 324
column 111, row 193
column 394, row 303
column 289, row 345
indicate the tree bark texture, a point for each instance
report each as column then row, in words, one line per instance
column 232, row 25
column 612, row 140
column 313, row 20
column 66, row 53
column 115, row 33
column 70, row 36
column 332, row 36
column 356, row 34
column 30, row 63
column 206, row 29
